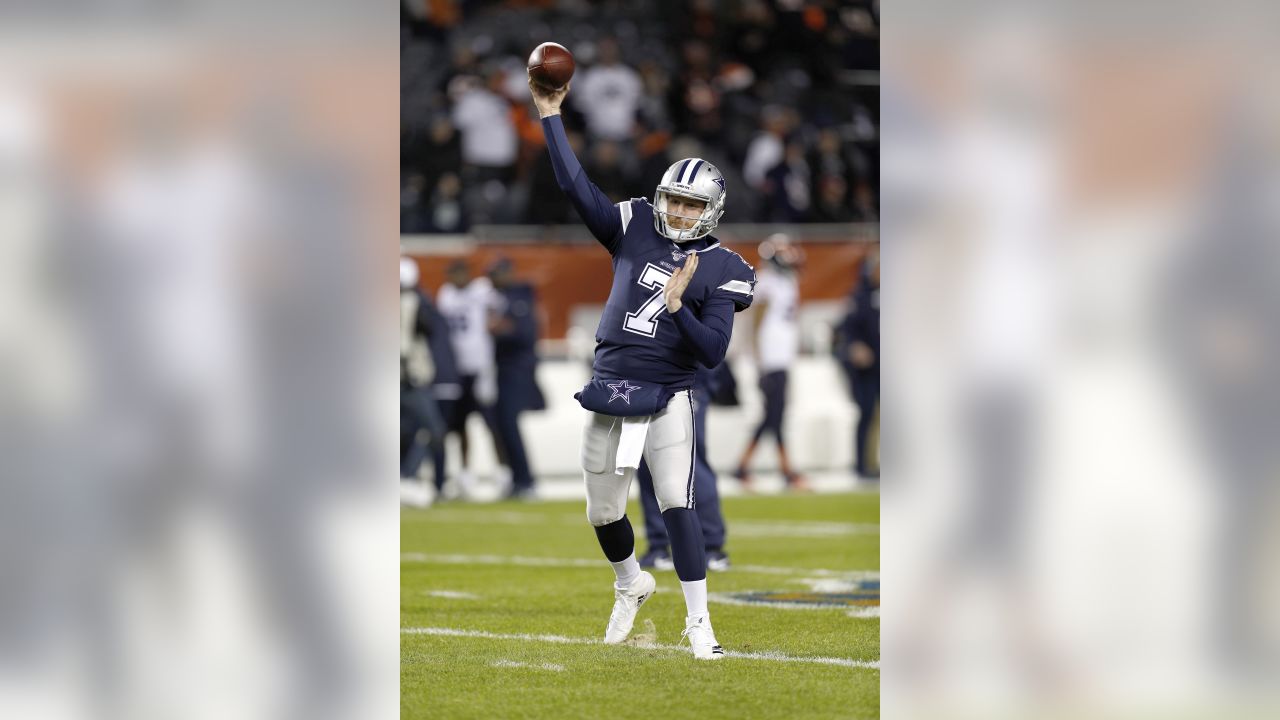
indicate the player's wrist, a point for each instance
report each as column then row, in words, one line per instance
column 543, row 114
column 674, row 307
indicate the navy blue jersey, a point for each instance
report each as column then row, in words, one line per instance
column 637, row 338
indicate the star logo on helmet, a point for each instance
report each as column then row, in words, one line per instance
column 623, row 390
column 719, row 181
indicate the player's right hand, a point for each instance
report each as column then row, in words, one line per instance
column 548, row 100
column 861, row 355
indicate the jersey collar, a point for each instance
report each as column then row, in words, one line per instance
column 693, row 250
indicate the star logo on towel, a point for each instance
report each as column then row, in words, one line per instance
column 622, row 390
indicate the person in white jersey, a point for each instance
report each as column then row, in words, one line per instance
column 777, row 343
column 466, row 304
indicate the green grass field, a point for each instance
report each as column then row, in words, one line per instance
column 503, row 607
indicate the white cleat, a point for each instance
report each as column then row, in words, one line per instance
column 465, row 486
column 702, row 638
column 625, row 606
column 415, row 493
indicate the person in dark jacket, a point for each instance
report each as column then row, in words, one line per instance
column 515, row 335
column 428, row 381
column 858, row 349
column 707, row 383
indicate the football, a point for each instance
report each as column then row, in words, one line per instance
column 551, row 65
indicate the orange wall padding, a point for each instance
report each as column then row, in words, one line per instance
column 569, row 275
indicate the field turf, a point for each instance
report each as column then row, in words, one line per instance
column 503, row 605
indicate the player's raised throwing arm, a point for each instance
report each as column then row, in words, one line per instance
column 602, row 217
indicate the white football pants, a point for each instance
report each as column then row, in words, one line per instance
column 668, row 449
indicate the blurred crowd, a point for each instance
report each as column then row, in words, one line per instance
column 782, row 95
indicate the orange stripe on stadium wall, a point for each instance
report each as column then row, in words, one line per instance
column 568, row 275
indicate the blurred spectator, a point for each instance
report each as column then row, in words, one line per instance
column 652, row 156
column 609, row 94
column 656, row 85
column 547, row 204
column 865, row 205
column 430, row 19
column 705, row 80
column 607, row 172
column 447, row 213
column 695, row 100
column 833, row 201
column 413, row 211
column 432, row 153
column 768, row 147
column 749, row 33
column 483, row 115
column 787, row 187
column 860, row 45
column 829, row 156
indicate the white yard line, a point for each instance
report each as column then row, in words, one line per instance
column 562, row 640
column 516, row 664
column 746, row 528
column 451, row 594
column 459, row 559
column 499, row 560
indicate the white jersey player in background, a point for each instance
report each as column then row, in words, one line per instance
column 778, row 343
column 466, row 304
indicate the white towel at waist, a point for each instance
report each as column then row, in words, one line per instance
column 631, row 443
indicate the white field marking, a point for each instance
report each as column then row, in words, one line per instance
column 496, row 517
column 562, row 640
column 834, row 585
column 457, row 559
column 500, row 560
column 451, row 594
column 515, row 664
column 746, row 528
column 850, row 575
column 858, row 612
column 802, row 529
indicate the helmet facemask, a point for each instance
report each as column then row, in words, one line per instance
column 690, row 179
column 669, row 222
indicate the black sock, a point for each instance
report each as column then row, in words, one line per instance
column 617, row 539
column 686, row 544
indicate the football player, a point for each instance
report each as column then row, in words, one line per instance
column 777, row 344
column 466, row 304
column 671, row 307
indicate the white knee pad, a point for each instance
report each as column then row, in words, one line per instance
column 606, row 491
column 669, row 453
column 607, row 497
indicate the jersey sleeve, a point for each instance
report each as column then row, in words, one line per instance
column 738, row 283
column 602, row 217
column 707, row 335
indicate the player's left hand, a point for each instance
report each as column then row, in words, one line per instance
column 679, row 281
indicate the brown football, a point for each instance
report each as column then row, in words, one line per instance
column 551, row 65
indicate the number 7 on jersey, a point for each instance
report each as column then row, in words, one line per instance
column 645, row 320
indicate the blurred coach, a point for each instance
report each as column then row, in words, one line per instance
column 515, row 333
column 859, row 354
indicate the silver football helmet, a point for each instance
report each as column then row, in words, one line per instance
column 696, row 179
